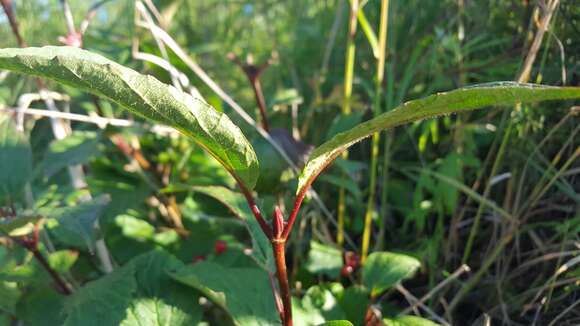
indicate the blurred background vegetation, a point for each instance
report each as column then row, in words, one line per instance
column 433, row 175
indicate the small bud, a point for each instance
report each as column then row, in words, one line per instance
column 277, row 223
column 220, row 246
column 351, row 259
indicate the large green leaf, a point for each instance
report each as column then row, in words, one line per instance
column 408, row 321
column 102, row 302
column 244, row 293
column 324, row 259
column 337, row 323
column 15, row 161
column 384, row 269
column 143, row 95
column 78, row 148
column 460, row 100
column 155, row 312
column 76, row 223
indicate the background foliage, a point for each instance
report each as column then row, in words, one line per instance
column 165, row 221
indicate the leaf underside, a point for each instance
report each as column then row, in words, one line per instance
column 143, row 95
column 460, row 100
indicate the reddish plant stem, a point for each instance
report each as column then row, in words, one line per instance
column 7, row 6
column 254, row 208
column 64, row 289
column 278, row 300
column 279, row 246
column 257, row 86
column 294, row 213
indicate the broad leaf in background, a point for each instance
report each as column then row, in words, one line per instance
column 160, row 300
column 235, row 202
column 102, row 302
column 318, row 305
column 155, row 312
column 244, row 293
column 76, row 223
column 385, row 269
column 41, row 306
column 460, row 100
column 143, row 95
column 354, row 301
column 78, row 148
column 15, row 161
column 9, row 296
column 408, row 321
column 337, row 323
column 324, row 260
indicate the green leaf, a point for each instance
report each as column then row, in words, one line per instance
column 324, row 260
column 62, row 261
column 76, row 223
column 155, row 312
column 9, row 296
column 354, row 301
column 15, row 161
column 78, row 148
column 318, row 304
column 19, row 225
column 244, row 293
column 460, row 100
column 102, row 302
column 408, row 321
column 235, row 202
column 143, row 95
column 385, row 269
column 337, row 323
column 135, row 228
column 41, row 306
column 160, row 300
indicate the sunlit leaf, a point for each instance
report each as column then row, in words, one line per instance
column 460, row 100
column 385, row 269
column 143, row 95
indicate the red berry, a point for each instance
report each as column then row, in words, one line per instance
column 220, row 246
column 197, row 259
column 346, row 271
column 351, row 259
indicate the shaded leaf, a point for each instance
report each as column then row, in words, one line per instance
column 337, row 323
column 102, row 302
column 19, row 225
column 244, row 293
column 41, row 306
column 324, row 260
column 9, row 296
column 319, row 304
column 385, row 269
column 460, row 100
column 76, row 223
column 143, row 95
column 15, row 161
column 155, row 312
column 354, row 301
column 77, row 148
column 408, row 321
